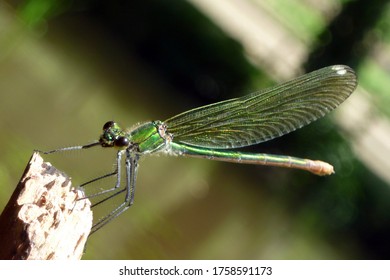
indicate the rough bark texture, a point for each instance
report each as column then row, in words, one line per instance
column 44, row 219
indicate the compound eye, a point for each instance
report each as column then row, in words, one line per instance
column 109, row 124
column 122, row 142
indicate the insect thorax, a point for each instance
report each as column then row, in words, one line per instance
column 150, row 137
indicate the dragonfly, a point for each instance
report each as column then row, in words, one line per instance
column 215, row 131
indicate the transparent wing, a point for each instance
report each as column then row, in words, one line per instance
column 265, row 114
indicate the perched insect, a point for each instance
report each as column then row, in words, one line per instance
column 213, row 130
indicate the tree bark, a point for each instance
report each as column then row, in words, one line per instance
column 45, row 217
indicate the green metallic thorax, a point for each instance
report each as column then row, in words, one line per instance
column 147, row 137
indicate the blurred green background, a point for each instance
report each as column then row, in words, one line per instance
column 67, row 67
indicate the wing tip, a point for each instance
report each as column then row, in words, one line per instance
column 348, row 75
column 343, row 70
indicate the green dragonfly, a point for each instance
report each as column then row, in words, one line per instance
column 212, row 131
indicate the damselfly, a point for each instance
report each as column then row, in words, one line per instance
column 212, row 131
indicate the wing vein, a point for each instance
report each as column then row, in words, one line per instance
column 265, row 114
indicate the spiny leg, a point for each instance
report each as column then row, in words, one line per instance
column 131, row 175
column 90, row 145
column 116, row 172
column 131, row 169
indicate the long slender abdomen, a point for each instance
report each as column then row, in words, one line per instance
column 314, row 166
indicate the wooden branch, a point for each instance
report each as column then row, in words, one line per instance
column 44, row 219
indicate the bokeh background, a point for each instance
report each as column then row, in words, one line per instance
column 67, row 67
